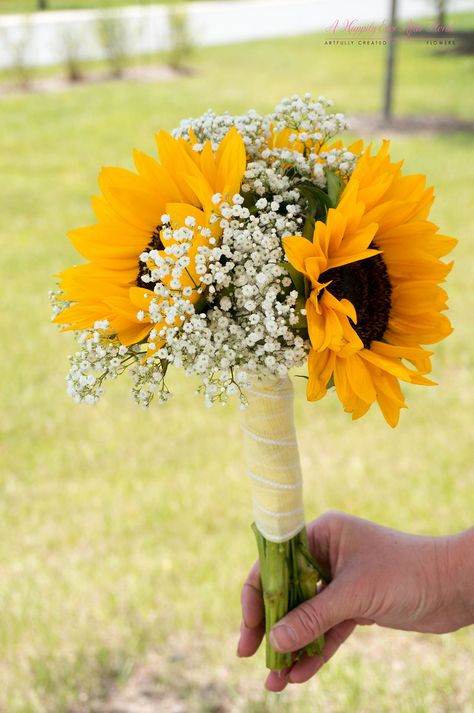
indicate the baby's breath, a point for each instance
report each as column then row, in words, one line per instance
column 100, row 357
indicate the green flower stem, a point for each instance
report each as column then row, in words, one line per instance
column 309, row 573
column 274, row 575
column 289, row 576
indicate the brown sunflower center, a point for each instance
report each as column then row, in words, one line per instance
column 367, row 285
column 154, row 244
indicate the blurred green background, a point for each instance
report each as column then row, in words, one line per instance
column 34, row 5
column 124, row 534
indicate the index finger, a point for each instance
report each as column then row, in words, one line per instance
column 252, row 600
column 252, row 628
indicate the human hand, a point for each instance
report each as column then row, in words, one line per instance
column 379, row 576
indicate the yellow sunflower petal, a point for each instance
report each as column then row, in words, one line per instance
column 157, row 176
column 343, row 305
column 177, row 162
column 230, row 163
column 390, row 409
column 131, row 197
column 390, row 365
column 340, row 261
column 320, row 369
column 341, row 382
column 208, row 164
column 140, row 298
column 298, row 250
column 360, row 379
column 133, row 334
column 123, row 306
column 360, row 408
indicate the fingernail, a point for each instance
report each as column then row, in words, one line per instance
column 238, row 650
column 283, row 638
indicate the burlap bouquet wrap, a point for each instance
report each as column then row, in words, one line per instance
column 272, row 459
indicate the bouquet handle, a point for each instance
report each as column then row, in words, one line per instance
column 288, row 572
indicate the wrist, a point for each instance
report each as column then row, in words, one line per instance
column 460, row 574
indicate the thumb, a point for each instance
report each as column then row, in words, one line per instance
column 304, row 624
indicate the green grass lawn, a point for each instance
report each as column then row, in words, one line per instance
column 121, row 528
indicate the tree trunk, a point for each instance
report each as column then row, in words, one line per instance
column 389, row 72
column 42, row 4
column 441, row 12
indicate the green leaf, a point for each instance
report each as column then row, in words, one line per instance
column 302, row 320
column 335, row 186
column 201, row 304
column 308, row 228
column 296, row 277
column 318, row 200
column 250, row 199
column 318, row 203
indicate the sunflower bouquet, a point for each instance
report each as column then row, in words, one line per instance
column 257, row 244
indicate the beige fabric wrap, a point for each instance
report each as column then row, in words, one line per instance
column 272, row 458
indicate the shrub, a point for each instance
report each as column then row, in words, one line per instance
column 112, row 34
column 17, row 47
column 181, row 42
column 70, row 41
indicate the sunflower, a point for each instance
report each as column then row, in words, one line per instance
column 184, row 188
column 373, row 271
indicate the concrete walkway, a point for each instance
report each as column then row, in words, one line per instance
column 47, row 38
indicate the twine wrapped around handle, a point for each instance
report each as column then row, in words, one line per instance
column 272, row 458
